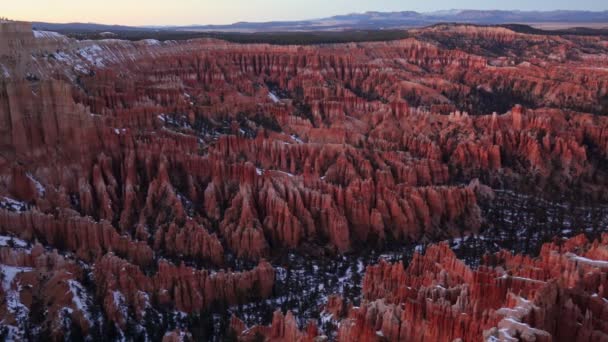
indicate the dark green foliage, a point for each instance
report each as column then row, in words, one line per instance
column 276, row 38
column 200, row 326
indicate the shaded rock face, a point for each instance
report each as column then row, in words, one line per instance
column 147, row 171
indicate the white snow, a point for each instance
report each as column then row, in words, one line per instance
column 520, row 326
column 92, row 54
column 587, row 261
column 47, row 34
column 79, row 298
column 151, row 41
column 10, row 272
column 273, row 97
column 119, row 302
column 296, row 139
column 176, row 120
column 6, row 241
column 12, row 204
column 286, row 173
column 63, row 57
column 146, row 298
column 5, row 71
column 13, row 302
column 13, row 333
column 326, row 317
column 39, row 187
column 528, row 280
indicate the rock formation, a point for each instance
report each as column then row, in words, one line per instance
column 557, row 296
column 143, row 172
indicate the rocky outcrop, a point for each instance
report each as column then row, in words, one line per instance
column 555, row 297
column 125, row 289
column 87, row 239
column 283, row 328
column 41, row 284
column 438, row 297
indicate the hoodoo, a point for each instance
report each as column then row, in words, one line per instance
column 433, row 188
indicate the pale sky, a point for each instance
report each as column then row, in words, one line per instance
column 185, row 12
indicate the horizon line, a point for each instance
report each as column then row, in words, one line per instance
column 296, row 20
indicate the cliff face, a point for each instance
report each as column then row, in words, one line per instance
column 152, row 166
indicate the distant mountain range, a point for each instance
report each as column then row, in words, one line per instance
column 366, row 21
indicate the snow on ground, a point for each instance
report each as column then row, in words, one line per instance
column 5, row 71
column 587, row 261
column 178, row 120
column 273, row 97
column 39, row 187
column 80, row 298
column 151, row 42
column 10, row 272
column 68, row 59
column 12, row 204
column 9, row 241
column 296, row 139
column 47, row 34
column 92, row 55
column 13, row 303
column 119, row 302
column 285, row 173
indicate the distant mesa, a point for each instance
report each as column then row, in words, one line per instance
column 373, row 21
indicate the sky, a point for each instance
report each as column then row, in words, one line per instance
column 185, row 12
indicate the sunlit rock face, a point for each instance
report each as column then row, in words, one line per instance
column 142, row 183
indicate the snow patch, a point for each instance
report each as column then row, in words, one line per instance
column 10, row 272
column 151, row 42
column 175, row 120
column 119, row 302
column 296, row 139
column 47, row 34
column 91, row 54
column 80, row 298
column 9, row 241
column 5, row 71
column 273, row 97
column 587, row 261
column 13, row 301
column 12, row 204
column 286, row 173
column 39, row 187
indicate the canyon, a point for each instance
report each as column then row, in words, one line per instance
column 178, row 190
